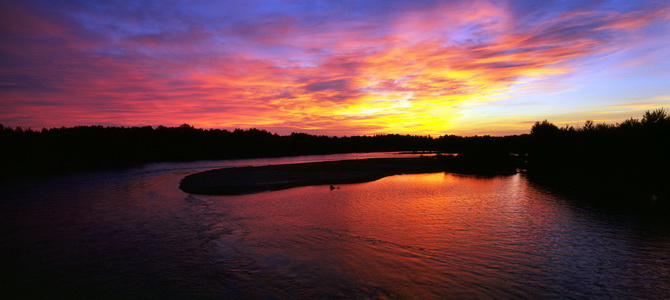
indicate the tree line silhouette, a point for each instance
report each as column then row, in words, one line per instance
column 27, row 152
column 633, row 151
column 631, row 156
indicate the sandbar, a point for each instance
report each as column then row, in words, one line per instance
column 247, row 180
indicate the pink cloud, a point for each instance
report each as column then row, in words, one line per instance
column 286, row 71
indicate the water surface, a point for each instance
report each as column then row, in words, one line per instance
column 133, row 233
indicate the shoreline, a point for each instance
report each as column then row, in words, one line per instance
column 248, row 180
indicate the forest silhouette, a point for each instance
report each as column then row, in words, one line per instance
column 631, row 153
column 631, row 157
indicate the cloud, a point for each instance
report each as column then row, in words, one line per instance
column 363, row 67
column 337, row 85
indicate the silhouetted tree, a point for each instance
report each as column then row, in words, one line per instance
column 588, row 125
column 544, row 128
column 655, row 118
column 631, row 155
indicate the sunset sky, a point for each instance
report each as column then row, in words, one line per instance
column 332, row 67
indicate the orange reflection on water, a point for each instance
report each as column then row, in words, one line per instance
column 415, row 233
column 423, row 210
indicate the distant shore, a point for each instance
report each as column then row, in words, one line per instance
column 247, row 180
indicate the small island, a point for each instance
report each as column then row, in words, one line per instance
column 247, row 180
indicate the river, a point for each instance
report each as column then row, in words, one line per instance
column 132, row 233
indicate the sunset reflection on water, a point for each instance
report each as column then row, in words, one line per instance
column 426, row 236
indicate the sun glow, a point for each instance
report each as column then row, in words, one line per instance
column 447, row 67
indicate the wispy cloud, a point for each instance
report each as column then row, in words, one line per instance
column 341, row 67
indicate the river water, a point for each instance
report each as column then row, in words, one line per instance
column 133, row 234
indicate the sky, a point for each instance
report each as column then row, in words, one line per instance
column 480, row 67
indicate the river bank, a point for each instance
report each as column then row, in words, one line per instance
column 246, row 180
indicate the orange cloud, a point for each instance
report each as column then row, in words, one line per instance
column 395, row 69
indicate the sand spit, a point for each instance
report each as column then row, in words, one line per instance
column 246, row 180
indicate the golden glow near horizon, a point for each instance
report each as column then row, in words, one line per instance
column 447, row 67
